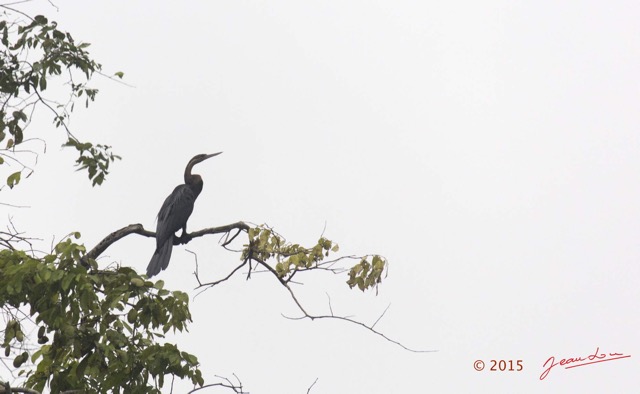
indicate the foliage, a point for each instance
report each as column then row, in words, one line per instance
column 367, row 274
column 264, row 243
column 97, row 330
column 33, row 53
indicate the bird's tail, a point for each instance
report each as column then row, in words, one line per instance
column 160, row 259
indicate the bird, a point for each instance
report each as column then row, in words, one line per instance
column 174, row 213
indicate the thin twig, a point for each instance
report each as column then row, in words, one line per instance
column 228, row 241
column 380, row 317
column 330, row 308
column 211, row 284
column 343, row 318
column 237, row 388
column 312, row 384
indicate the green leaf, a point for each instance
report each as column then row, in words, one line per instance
column 66, row 281
column 119, row 74
column 98, row 179
column 40, row 19
column 37, row 354
column 132, row 315
column 13, row 179
column 19, row 360
column 80, row 370
column 181, row 296
column 190, row 358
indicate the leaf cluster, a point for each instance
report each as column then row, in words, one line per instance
column 264, row 244
column 98, row 331
column 94, row 159
column 367, row 274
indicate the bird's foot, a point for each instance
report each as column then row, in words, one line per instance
column 185, row 238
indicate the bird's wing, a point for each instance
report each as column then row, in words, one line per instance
column 174, row 213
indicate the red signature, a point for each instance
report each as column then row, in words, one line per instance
column 596, row 357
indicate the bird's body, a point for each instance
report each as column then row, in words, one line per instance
column 174, row 214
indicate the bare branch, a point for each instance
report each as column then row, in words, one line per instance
column 228, row 241
column 139, row 229
column 112, row 238
column 116, row 80
column 328, row 265
column 6, row 6
column 378, row 319
column 370, row 328
column 312, row 384
column 220, row 229
column 236, row 387
column 330, row 308
column 332, row 316
column 4, row 390
column 13, row 237
column 211, row 284
column 14, row 206
column 195, row 257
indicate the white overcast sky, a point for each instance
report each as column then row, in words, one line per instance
column 488, row 149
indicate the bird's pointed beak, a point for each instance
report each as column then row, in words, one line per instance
column 211, row 155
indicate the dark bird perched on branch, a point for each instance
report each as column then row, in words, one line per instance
column 174, row 214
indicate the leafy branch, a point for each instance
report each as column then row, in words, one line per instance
column 33, row 53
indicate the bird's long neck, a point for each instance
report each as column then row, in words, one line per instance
column 194, row 181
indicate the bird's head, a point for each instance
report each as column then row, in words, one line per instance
column 201, row 157
column 188, row 178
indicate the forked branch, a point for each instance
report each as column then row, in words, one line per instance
column 307, row 315
column 224, row 382
column 140, row 230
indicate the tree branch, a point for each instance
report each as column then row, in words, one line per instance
column 332, row 316
column 236, row 387
column 8, row 390
column 312, row 384
column 140, row 230
column 211, row 284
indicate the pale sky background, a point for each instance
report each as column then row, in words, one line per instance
column 488, row 149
